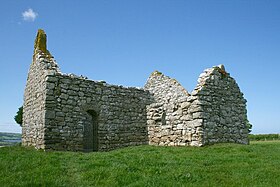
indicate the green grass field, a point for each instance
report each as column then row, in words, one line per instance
column 257, row 164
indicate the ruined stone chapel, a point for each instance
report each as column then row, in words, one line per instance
column 69, row 112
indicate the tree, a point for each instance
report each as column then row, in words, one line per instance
column 18, row 116
column 249, row 126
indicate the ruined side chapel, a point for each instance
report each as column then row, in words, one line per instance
column 72, row 113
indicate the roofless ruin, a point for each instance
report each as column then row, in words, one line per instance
column 68, row 112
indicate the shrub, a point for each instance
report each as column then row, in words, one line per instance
column 18, row 116
column 249, row 126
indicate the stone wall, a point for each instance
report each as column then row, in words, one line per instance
column 171, row 120
column 42, row 65
column 223, row 107
column 214, row 112
column 69, row 112
column 120, row 114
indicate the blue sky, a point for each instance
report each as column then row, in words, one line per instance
column 123, row 41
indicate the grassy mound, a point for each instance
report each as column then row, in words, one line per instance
column 218, row 165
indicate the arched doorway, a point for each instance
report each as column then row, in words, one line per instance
column 91, row 132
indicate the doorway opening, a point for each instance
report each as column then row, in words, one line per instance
column 91, row 132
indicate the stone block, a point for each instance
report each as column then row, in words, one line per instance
column 199, row 115
column 50, row 115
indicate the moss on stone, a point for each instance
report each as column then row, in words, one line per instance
column 41, row 42
column 221, row 70
column 156, row 73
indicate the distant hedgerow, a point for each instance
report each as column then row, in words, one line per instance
column 264, row 137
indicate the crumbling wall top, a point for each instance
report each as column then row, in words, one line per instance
column 40, row 43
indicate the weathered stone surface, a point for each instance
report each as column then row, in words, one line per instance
column 70, row 112
column 209, row 114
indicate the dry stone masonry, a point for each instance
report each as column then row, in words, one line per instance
column 214, row 112
column 69, row 112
